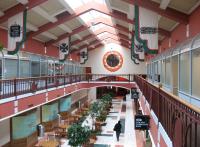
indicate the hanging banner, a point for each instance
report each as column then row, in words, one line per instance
column 64, row 49
column 138, row 50
column 16, row 32
column 83, row 55
column 134, row 56
column 146, row 31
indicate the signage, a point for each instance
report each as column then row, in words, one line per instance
column 142, row 122
column 64, row 48
column 148, row 30
column 15, row 30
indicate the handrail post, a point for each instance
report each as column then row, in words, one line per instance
column 15, row 87
column 46, row 78
column 64, row 80
column 129, row 78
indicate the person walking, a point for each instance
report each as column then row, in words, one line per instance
column 117, row 129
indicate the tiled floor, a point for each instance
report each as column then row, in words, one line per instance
column 108, row 137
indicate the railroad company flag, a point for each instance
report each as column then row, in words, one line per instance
column 83, row 56
column 16, row 32
column 64, row 48
column 148, row 25
column 138, row 50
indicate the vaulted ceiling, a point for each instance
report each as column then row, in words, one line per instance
column 92, row 23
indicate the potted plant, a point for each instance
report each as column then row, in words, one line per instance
column 78, row 135
column 102, row 117
column 94, row 111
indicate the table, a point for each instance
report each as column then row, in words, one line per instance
column 49, row 143
column 85, row 109
column 64, row 126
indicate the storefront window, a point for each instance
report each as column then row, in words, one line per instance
column 163, row 71
column 24, row 68
column 44, row 66
column 66, row 68
column 168, row 75
column 184, row 83
column 11, row 68
column 35, row 68
column 195, row 73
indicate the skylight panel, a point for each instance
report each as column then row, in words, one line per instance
column 86, row 17
column 74, row 3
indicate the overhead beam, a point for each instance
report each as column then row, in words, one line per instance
column 76, row 31
column 50, row 35
column 44, row 14
column 65, row 28
column 164, row 4
column 99, row 41
column 20, row 8
column 65, row 17
column 168, row 12
column 97, row 22
column 31, row 27
column 24, row 2
column 1, row 13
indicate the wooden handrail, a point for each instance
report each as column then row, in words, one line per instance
column 179, row 99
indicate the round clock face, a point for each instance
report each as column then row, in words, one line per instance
column 112, row 61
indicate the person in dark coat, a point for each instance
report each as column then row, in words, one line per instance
column 117, row 129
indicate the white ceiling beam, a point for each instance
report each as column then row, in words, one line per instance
column 50, row 35
column 75, row 47
column 65, row 28
column 92, row 46
column 164, row 4
column 86, row 42
column 69, row 9
column 78, row 36
column 31, row 27
column 1, row 13
column 59, row 12
column 44, row 14
column 24, row 2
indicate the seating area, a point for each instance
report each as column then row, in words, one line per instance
column 55, row 130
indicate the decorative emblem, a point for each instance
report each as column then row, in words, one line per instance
column 15, row 30
column 64, row 48
column 83, row 54
column 112, row 61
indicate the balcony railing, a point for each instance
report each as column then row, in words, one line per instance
column 15, row 87
column 180, row 120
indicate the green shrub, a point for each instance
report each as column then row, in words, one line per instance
column 78, row 135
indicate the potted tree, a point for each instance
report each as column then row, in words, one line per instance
column 94, row 111
column 78, row 135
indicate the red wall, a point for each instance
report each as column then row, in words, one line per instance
column 34, row 46
column 178, row 35
column 195, row 22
